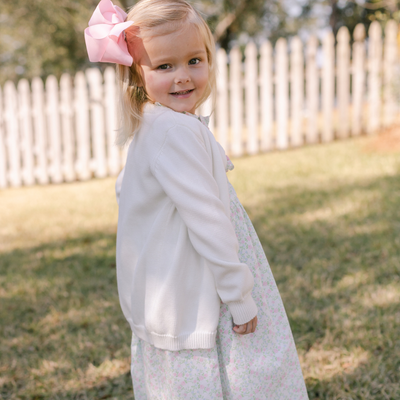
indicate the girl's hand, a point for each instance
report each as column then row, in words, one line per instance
column 244, row 329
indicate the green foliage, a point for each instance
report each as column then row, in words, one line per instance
column 351, row 13
column 253, row 18
column 42, row 37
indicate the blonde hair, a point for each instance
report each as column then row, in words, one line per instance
column 153, row 18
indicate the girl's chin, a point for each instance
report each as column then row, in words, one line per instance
column 178, row 107
column 183, row 109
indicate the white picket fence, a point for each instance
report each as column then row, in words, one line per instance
column 277, row 99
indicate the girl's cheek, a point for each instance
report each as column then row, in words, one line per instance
column 201, row 75
column 165, row 82
column 159, row 82
column 202, row 78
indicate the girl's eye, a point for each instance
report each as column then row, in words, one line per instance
column 194, row 61
column 164, row 66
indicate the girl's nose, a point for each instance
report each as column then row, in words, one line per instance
column 182, row 76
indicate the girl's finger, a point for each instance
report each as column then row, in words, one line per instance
column 239, row 329
column 254, row 324
column 249, row 327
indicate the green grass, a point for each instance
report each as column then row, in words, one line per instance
column 328, row 218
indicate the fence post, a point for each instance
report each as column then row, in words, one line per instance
column 282, row 101
column 12, row 134
column 25, row 124
column 40, row 131
column 390, row 57
column 358, row 81
column 236, row 96
column 312, row 90
column 266, row 90
column 95, row 81
column 251, row 94
column 343, row 81
column 110, row 102
column 328, row 86
column 297, row 91
column 53, row 121
column 3, row 160
column 374, row 78
column 67, row 131
column 222, row 101
column 82, row 127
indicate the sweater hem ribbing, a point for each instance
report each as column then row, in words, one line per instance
column 194, row 340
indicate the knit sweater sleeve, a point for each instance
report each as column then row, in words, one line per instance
column 183, row 168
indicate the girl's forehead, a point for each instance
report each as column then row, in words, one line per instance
column 185, row 39
column 173, row 30
column 153, row 45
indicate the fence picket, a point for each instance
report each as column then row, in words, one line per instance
column 110, row 103
column 40, row 131
column 82, row 130
column 296, row 91
column 374, row 79
column 26, row 139
column 12, row 134
column 358, row 81
column 53, row 123
column 251, row 96
column 390, row 57
column 343, row 81
column 328, row 86
column 95, row 81
column 282, row 100
column 68, row 142
column 312, row 90
column 266, row 92
column 3, row 160
column 236, row 96
column 222, row 100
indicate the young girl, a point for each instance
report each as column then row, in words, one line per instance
column 193, row 280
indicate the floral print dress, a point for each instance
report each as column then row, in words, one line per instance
column 261, row 365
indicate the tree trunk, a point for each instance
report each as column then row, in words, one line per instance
column 333, row 19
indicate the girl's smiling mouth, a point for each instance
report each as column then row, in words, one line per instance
column 182, row 93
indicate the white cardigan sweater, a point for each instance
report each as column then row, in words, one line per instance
column 176, row 247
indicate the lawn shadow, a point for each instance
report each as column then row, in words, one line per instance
column 63, row 333
column 335, row 254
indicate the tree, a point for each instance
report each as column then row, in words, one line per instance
column 40, row 37
column 351, row 13
column 228, row 19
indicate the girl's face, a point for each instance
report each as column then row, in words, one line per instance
column 174, row 68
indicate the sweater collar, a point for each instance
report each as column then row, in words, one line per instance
column 203, row 119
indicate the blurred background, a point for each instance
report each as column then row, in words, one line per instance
column 39, row 38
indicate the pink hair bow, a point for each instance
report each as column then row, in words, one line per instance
column 105, row 39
